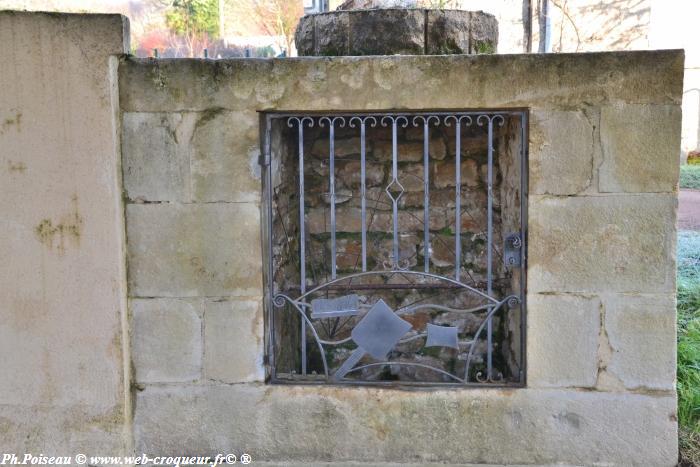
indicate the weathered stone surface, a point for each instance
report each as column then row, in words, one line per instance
column 615, row 243
column 341, row 147
column 447, row 32
column 640, row 148
column 313, row 424
column 64, row 388
column 411, row 177
column 483, row 33
column 640, row 77
column 233, row 338
column 156, row 155
column 331, row 35
column 562, row 340
column 562, row 148
column 641, row 332
column 225, row 150
column 405, row 151
column 445, row 173
column 194, row 250
column 304, row 38
column 387, row 32
column 349, row 174
column 208, row 156
column 166, row 341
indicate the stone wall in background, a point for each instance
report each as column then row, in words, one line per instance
column 600, row 279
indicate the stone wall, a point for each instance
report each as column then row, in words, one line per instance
column 603, row 167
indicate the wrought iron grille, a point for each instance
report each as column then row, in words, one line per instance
column 395, row 247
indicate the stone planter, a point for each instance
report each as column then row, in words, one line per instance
column 397, row 31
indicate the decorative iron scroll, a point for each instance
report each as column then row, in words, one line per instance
column 387, row 196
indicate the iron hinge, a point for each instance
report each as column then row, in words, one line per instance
column 513, row 250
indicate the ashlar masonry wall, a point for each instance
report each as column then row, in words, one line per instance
column 604, row 132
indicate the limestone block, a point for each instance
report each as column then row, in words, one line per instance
column 641, row 148
column 562, row 340
column 561, row 151
column 233, row 341
column 616, row 243
column 64, row 388
column 641, row 331
column 332, row 424
column 194, row 250
column 319, row 84
column 156, row 155
column 166, row 341
column 225, row 150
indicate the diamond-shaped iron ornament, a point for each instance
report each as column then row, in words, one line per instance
column 376, row 334
column 379, row 331
column 395, row 190
column 442, row 336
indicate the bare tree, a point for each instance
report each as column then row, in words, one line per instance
column 276, row 17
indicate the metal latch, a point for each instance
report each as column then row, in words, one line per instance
column 513, row 250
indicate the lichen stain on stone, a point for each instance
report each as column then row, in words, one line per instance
column 207, row 116
column 569, row 419
column 269, row 91
column 355, row 79
column 69, row 228
column 111, row 421
column 12, row 122
column 19, row 167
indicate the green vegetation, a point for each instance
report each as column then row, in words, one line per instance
column 689, row 346
column 193, row 17
column 690, row 176
column 484, row 48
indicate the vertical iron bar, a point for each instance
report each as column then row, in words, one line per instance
column 363, row 199
column 395, row 207
column 426, row 198
column 267, row 162
column 489, row 246
column 458, row 198
column 523, row 242
column 332, row 196
column 302, row 240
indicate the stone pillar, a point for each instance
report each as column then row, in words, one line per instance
column 64, row 385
